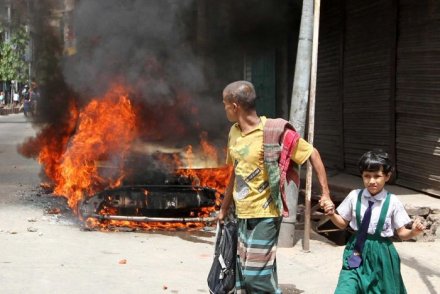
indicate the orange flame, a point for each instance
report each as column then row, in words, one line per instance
column 105, row 131
column 208, row 149
column 215, row 178
column 50, row 144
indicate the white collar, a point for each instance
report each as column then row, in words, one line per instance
column 378, row 197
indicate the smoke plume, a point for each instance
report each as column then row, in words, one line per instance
column 174, row 56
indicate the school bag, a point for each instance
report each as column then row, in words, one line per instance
column 221, row 277
column 279, row 139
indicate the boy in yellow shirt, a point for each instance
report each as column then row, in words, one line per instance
column 258, row 217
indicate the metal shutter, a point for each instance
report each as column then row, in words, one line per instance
column 368, row 85
column 418, row 96
column 328, row 112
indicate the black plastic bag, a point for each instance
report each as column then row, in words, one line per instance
column 221, row 277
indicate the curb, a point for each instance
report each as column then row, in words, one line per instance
column 6, row 111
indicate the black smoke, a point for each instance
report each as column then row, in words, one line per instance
column 174, row 55
column 144, row 44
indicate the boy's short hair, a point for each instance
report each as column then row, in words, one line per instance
column 374, row 160
column 242, row 93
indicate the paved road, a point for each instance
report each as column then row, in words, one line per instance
column 49, row 253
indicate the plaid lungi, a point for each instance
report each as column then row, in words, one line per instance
column 256, row 255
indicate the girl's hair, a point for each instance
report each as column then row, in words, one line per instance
column 241, row 92
column 374, row 160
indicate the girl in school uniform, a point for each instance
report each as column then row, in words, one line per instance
column 371, row 263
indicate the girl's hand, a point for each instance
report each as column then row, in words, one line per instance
column 327, row 205
column 418, row 226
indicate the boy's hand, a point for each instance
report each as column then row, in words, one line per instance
column 327, row 205
column 417, row 227
column 220, row 216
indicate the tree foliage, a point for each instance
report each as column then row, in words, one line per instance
column 12, row 56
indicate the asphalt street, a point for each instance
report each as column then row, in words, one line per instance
column 44, row 252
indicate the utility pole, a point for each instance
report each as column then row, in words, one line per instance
column 29, row 49
column 313, row 75
column 298, row 111
column 7, row 40
column 301, row 80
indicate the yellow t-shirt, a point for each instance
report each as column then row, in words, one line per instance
column 251, row 188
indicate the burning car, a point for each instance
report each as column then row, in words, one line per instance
column 88, row 159
column 150, row 203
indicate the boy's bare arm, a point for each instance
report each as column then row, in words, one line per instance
column 227, row 198
column 417, row 228
column 318, row 166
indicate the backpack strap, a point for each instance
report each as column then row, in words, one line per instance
column 358, row 209
column 289, row 143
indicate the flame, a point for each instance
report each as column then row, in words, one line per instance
column 216, row 178
column 105, row 129
column 208, row 149
column 115, row 225
column 72, row 152
column 50, row 144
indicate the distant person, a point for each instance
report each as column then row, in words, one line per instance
column 34, row 96
column 370, row 261
column 254, row 185
column 16, row 98
column 27, row 103
column 25, row 93
column 2, row 98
